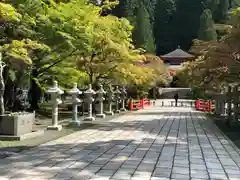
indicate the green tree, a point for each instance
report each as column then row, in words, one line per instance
column 143, row 34
column 136, row 12
column 125, row 8
column 187, row 21
column 57, row 41
column 207, row 31
column 150, row 6
column 163, row 26
column 221, row 13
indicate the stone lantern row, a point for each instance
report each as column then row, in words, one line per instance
column 101, row 95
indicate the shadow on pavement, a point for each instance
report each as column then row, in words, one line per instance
column 82, row 161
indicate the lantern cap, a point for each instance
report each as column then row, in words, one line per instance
column 55, row 89
column 75, row 90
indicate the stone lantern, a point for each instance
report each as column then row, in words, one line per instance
column 110, row 99
column 100, row 98
column 123, row 96
column 89, row 99
column 220, row 103
column 75, row 102
column 55, row 91
column 117, row 93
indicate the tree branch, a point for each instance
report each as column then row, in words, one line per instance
column 41, row 72
column 109, row 71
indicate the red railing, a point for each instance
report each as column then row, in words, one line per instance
column 138, row 104
column 145, row 102
column 203, row 105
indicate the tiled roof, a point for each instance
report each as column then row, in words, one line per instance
column 178, row 53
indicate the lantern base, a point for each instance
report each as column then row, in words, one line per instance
column 75, row 123
column 110, row 113
column 123, row 109
column 101, row 115
column 55, row 128
column 89, row 118
column 117, row 111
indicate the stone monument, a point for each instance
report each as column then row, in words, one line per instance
column 55, row 91
column 75, row 102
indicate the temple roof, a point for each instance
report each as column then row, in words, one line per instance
column 178, row 53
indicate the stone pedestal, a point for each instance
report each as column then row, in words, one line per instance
column 75, row 101
column 89, row 100
column 55, row 127
column 55, row 91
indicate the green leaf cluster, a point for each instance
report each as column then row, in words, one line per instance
column 66, row 41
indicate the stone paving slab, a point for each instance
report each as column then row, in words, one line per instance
column 151, row 144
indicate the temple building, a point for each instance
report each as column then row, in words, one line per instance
column 174, row 61
column 176, row 58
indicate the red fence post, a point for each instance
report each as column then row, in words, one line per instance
column 203, row 105
column 197, row 104
column 131, row 104
column 209, row 106
column 142, row 103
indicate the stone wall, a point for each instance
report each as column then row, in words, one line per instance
column 168, row 93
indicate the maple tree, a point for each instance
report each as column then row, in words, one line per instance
column 68, row 41
column 218, row 62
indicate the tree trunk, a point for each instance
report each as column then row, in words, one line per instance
column 91, row 78
column 2, row 109
column 9, row 94
column 35, row 92
column 2, row 89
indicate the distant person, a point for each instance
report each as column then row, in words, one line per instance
column 176, row 99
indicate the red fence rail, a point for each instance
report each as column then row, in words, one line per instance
column 203, row 105
column 138, row 104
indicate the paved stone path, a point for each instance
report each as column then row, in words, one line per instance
column 151, row 144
